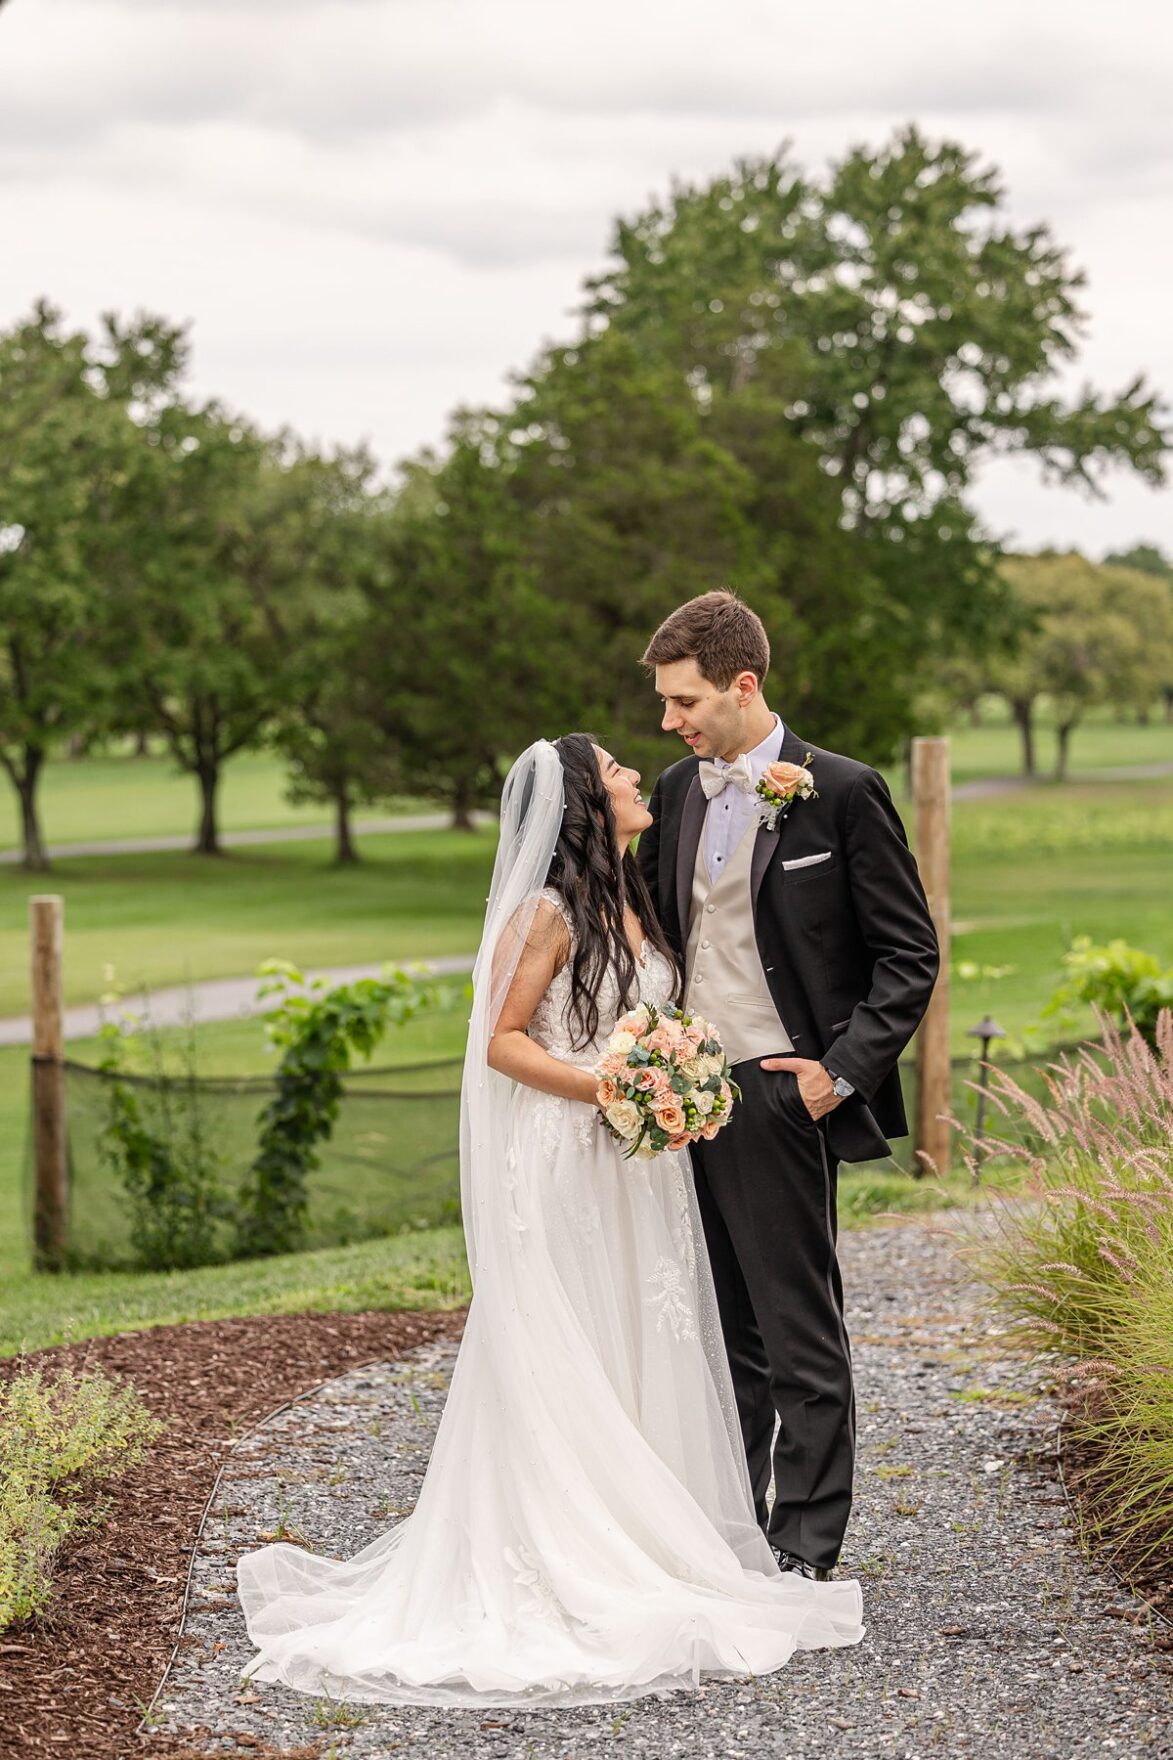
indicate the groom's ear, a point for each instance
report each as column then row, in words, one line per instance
column 748, row 686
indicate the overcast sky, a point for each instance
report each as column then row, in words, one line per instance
column 371, row 210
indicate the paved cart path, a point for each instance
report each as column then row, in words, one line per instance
column 988, row 1633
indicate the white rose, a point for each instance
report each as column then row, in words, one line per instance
column 622, row 1042
column 702, row 1100
column 624, row 1116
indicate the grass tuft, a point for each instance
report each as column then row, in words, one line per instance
column 1083, row 1264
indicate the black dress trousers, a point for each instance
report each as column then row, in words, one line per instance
column 766, row 1188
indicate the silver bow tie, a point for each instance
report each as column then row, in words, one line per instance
column 716, row 778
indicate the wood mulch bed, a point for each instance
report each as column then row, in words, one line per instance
column 77, row 1681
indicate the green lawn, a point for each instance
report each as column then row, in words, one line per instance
column 167, row 918
column 1031, row 870
column 94, row 799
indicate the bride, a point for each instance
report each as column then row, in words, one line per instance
column 585, row 1531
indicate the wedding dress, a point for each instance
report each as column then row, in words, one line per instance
column 585, row 1530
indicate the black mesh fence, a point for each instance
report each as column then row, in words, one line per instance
column 390, row 1163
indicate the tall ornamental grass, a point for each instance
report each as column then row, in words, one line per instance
column 1082, row 1260
column 59, row 1440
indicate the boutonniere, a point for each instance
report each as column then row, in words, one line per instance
column 781, row 784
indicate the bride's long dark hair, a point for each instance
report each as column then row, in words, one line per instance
column 598, row 885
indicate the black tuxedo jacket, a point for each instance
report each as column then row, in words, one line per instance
column 847, row 943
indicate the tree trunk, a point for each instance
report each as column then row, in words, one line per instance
column 1168, row 695
column 975, row 714
column 345, row 853
column 1022, row 709
column 1062, row 749
column 462, row 808
column 36, row 856
column 207, row 837
column 142, row 745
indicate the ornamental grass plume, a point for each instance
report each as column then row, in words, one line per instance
column 1081, row 1260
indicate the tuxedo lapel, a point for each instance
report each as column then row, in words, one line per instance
column 766, row 843
column 692, row 819
column 764, row 849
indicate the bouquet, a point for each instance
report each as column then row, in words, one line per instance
column 664, row 1081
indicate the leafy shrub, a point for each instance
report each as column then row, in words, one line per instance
column 1083, row 1261
column 58, row 1440
column 153, row 1145
column 1116, row 979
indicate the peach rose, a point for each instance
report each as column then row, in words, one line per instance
column 607, row 1094
column 788, row 780
column 710, row 1128
column 680, row 1142
column 645, row 1079
column 670, row 1116
column 661, row 1040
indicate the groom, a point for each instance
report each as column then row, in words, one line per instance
column 810, row 947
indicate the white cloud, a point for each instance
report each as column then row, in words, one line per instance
column 374, row 209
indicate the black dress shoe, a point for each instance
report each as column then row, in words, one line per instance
column 790, row 1561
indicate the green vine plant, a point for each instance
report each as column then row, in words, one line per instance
column 158, row 1154
column 318, row 1032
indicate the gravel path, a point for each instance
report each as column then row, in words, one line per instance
column 987, row 1631
column 215, row 999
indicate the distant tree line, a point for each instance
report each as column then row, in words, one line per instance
column 1086, row 636
column 781, row 382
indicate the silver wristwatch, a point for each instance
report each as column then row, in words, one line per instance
column 840, row 1085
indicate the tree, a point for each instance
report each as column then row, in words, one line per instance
column 72, row 450
column 325, row 540
column 925, row 332
column 1095, row 635
column 195, row 643
column 634, row 495
column 462, row 664
column 1150, row 560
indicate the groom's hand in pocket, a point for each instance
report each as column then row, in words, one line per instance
column 814, row 1084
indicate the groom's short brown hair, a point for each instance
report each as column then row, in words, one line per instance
column 718, row 631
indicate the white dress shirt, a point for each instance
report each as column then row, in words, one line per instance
column 730, row 813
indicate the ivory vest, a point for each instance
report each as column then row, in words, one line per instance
column 724, row 980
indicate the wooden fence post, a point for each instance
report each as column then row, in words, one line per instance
column 930, row 787
column 50, row 1140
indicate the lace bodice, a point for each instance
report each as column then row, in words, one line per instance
column 550, row 1025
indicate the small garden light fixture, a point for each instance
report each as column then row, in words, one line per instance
column 987, row 1030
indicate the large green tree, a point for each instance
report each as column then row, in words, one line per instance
column 74, row 412
column 924, row 334
column 634, row 495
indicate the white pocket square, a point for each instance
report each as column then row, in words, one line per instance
column 808, row 861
